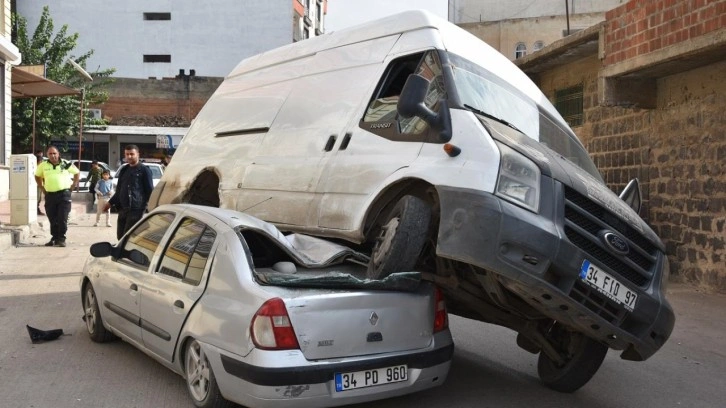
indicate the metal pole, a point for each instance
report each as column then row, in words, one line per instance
column 567, row 14
column 80, row 130
column 34, row 99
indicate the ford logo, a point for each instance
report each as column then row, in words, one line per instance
column 616, row 243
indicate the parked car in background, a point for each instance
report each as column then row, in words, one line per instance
column 249, row 315
column 157, row 170
column 85, row 166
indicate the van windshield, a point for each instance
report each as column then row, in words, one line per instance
column 480, row 90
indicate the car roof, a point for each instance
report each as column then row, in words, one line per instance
column 231, row 218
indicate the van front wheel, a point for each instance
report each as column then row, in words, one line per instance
column 583, row 357
column 400, row 238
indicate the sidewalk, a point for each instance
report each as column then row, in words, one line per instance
column 83, row 215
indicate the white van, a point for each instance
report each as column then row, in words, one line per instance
column 416, row 141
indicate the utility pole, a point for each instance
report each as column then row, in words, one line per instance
column 567, row 15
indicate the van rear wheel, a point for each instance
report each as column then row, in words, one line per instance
column 583, row 357
column 400, row 238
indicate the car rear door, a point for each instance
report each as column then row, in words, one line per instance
column 175, row 284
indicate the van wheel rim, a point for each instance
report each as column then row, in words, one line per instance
column 197, row 369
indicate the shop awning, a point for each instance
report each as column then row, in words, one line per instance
column 28, row 85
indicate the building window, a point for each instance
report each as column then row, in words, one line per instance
column 538, row 45
column 568, row 102
column 157, row 58
column 157, row 16
column 520, row 51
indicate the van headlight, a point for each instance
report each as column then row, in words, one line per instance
column 518, row 180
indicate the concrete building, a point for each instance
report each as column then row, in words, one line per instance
column 170, row 57
column 645, row 91
column 520, row 27
column 9, row 56
column 161, row 38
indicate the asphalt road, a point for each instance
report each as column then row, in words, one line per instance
column 39, row 287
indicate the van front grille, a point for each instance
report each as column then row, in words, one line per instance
column 585, row 219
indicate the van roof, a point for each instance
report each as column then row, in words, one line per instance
column 397, row 23
column 454, row 39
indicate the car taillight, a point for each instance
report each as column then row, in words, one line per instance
column 271, row 328
column 441, row 318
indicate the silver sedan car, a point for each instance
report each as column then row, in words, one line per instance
column 249, row 315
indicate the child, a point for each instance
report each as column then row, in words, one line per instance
column 104, row 191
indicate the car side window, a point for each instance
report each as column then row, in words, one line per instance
column 381, row 116
column 147, row 235
column 188, row 250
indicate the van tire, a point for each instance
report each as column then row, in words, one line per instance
column 583, row 358
column 399, row 239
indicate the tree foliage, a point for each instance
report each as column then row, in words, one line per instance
column 55, row 117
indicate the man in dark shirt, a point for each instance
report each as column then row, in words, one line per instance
column 132, row 191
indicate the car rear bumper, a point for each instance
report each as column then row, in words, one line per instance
column 285, row 378
column 534, row 258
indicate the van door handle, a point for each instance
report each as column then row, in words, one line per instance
column 179, row 304
column 346, row 140
column 331, row 143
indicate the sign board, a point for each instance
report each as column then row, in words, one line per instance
column 168, row 141
column 19, row 166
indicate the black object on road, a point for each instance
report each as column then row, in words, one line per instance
column 39, row 336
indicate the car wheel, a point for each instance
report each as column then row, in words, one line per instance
column 201, row 384
column 400, row 238
column 583, row 357
column 91, row 314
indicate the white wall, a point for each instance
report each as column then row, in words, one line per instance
column 474, row 11
column 210, row 37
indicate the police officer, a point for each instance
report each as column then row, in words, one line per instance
column 54, row 179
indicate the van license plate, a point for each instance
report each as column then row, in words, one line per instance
column 369, row 378
column 607, row 285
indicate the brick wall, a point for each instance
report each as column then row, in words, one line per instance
column 642, row 26
column 165, row 102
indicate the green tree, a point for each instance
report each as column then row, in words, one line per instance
column 55, row 117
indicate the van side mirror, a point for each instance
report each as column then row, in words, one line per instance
column 411, row 103
column 632, row 196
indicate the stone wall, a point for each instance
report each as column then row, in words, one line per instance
column 677, row 151
column 688, row 174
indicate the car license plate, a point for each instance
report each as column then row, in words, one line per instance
column 369, row 378
column 607, row 285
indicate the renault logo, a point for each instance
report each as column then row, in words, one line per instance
column 616, row 243
column 373, row 319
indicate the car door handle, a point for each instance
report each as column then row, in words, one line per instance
column 134, row 287
column 179, row 304
column 331, row 143
column 346, row 140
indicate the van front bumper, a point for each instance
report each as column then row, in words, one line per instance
column 534, row 259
